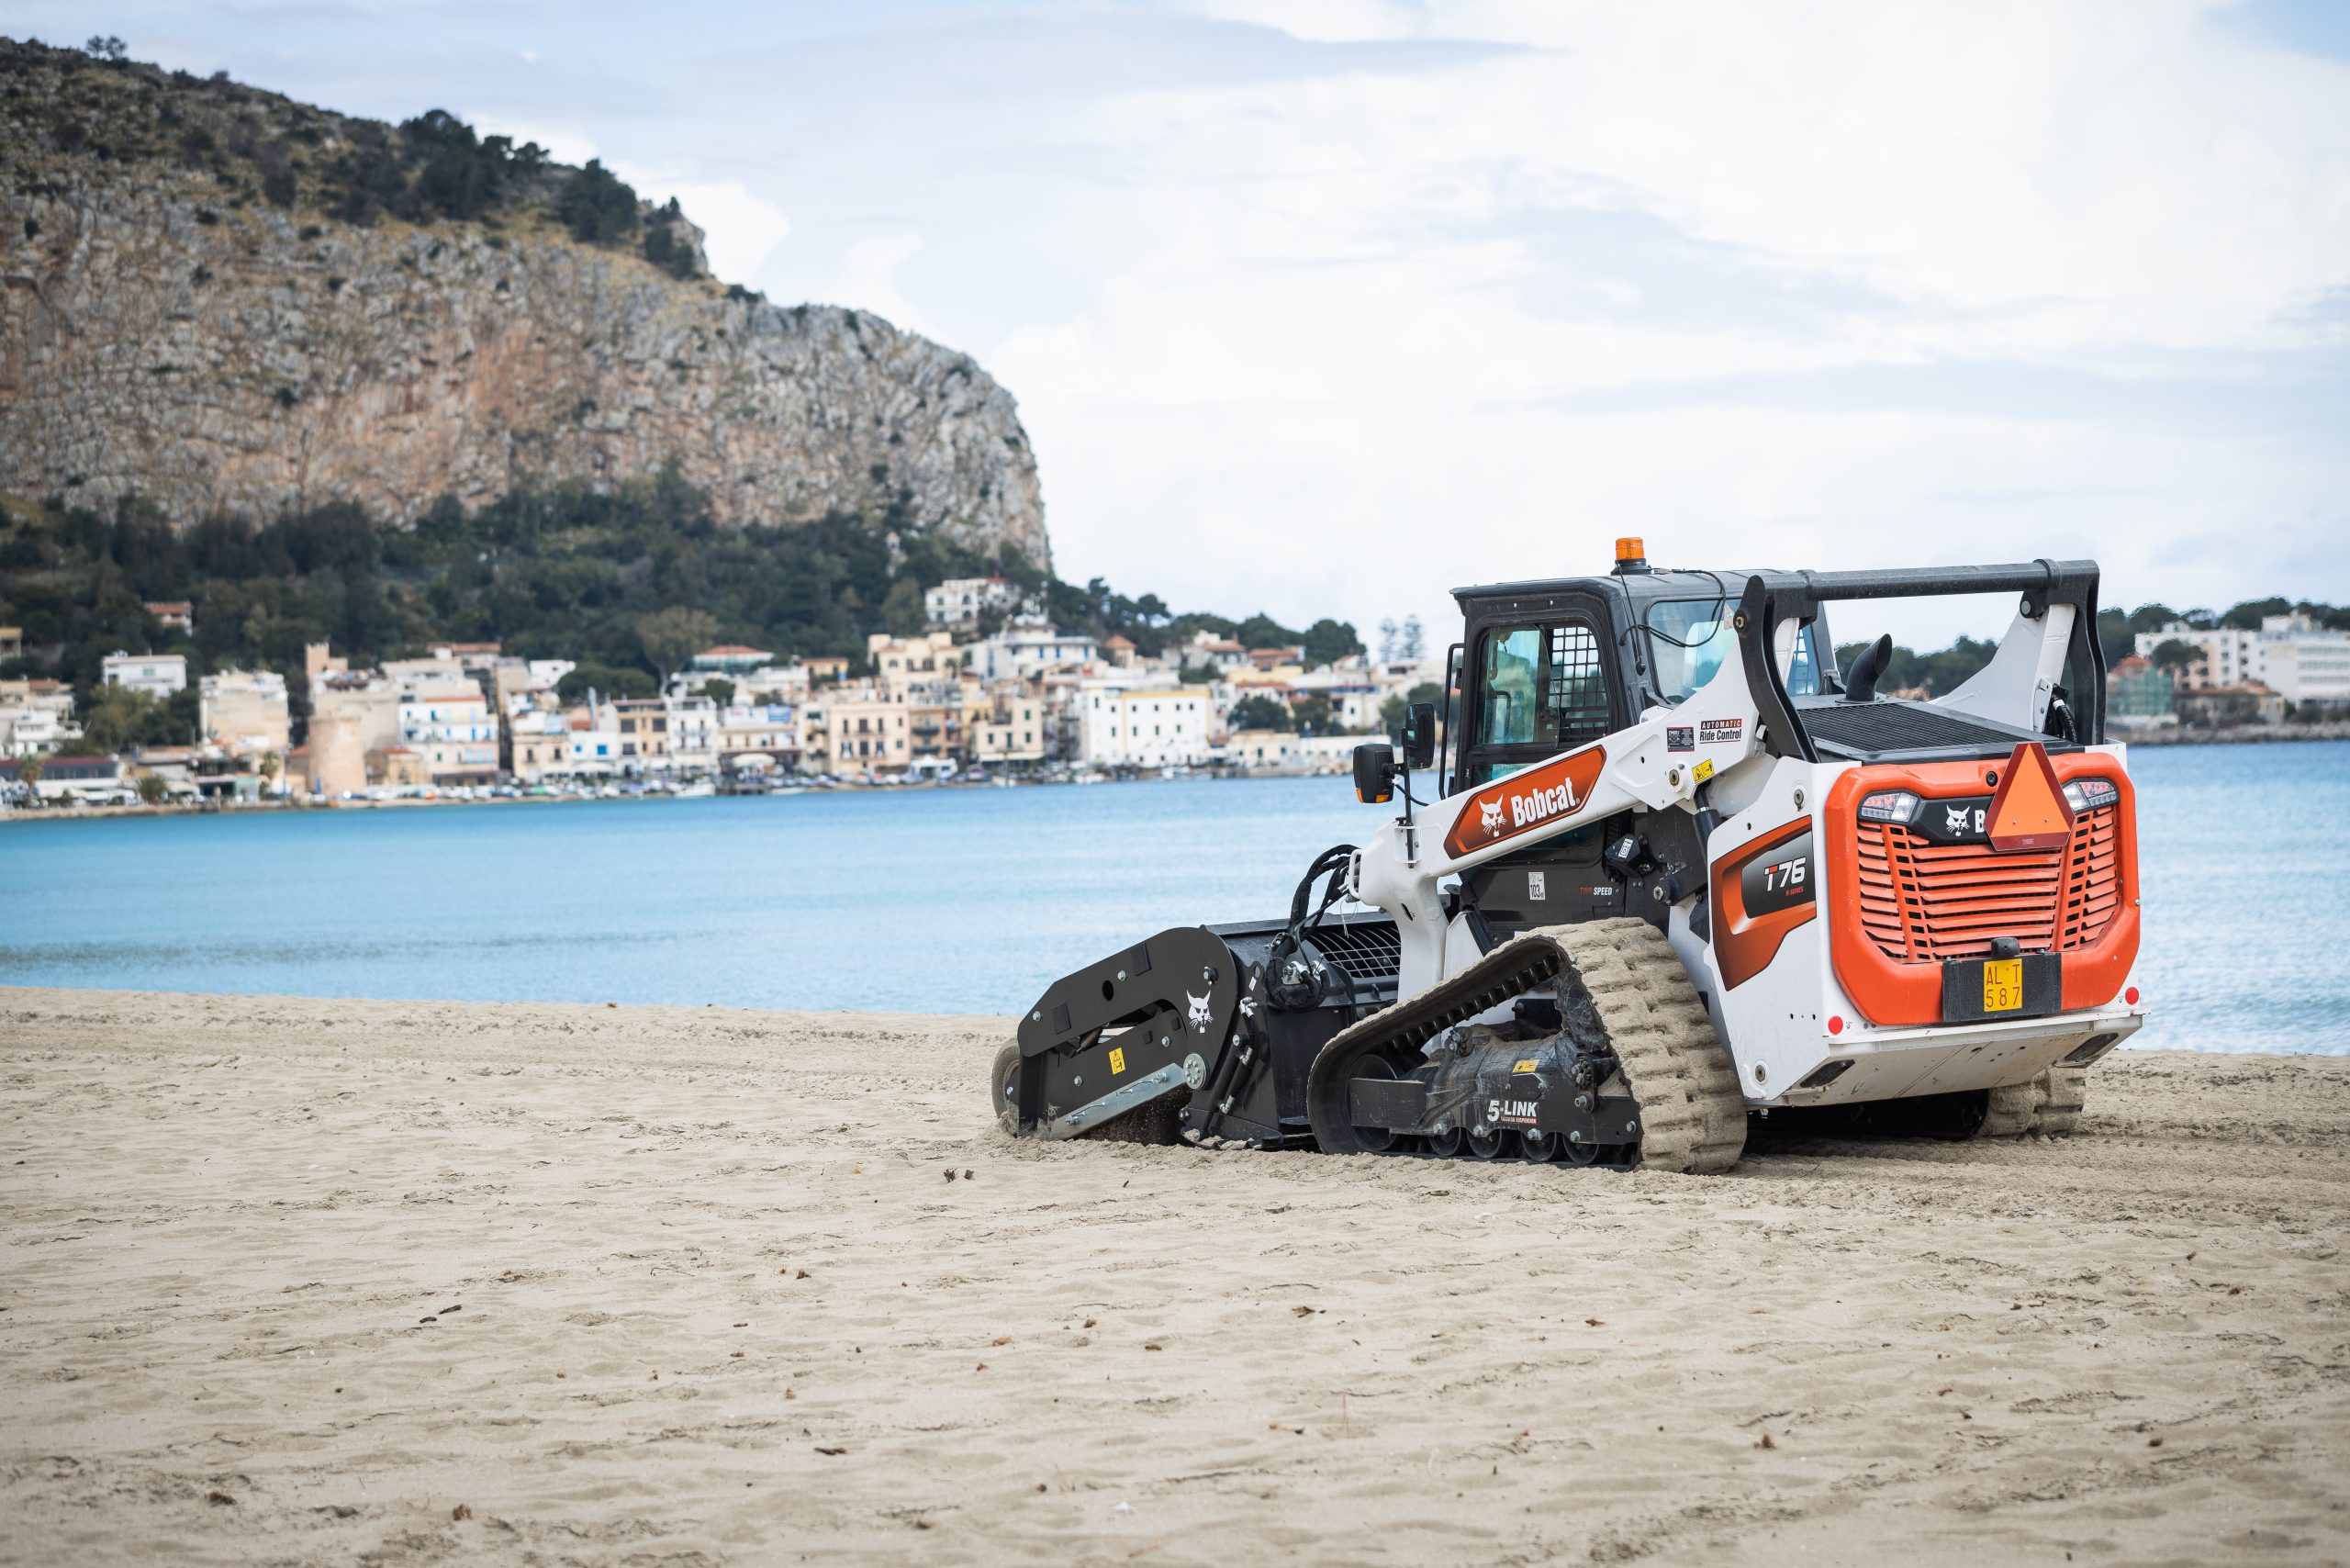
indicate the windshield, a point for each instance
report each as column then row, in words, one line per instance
column 1689, row 638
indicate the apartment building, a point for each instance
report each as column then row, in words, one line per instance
column 539, row 744
column 1028, row 651
column 906, row 661
column 960, row 601
column 36, row 716
column 1151, row 727
column 449, row 725
column 644, row 724
column 1010, row 729
column 867, row 731
column 160, row 675
column 244, row 712
column 768, row 730
column 2291, row 655
column 693, row 735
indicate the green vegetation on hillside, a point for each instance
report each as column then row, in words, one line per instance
column 629, row 584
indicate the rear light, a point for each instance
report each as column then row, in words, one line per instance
column 2089, row 794
column 2131, row 996
column 1835, row 1023
column 1897, row 806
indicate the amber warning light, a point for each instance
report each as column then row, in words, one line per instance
column 1631, row 555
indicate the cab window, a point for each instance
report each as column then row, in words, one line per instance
column 1689, row 639
column 1541, row 690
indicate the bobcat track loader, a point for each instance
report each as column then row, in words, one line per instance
column 1679, row 876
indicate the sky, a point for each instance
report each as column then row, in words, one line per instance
column 1326, row 307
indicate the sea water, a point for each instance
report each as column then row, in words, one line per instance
column 972, row 900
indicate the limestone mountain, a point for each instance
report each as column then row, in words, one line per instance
column 229, row 304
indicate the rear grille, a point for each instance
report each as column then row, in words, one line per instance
column 1922, row 903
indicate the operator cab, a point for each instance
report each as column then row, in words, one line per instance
column 1545, row 668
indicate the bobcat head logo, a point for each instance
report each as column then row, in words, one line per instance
column 1954, row 818
column 1492, row 810
column 1198, row 1017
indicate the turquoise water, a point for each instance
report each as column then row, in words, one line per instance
column 972, row 900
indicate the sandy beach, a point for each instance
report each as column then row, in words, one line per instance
column 326, row 1282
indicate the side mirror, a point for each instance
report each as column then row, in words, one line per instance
column 1375, row 773
column 1420, row 735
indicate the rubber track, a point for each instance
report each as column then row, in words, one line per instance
column 1692, row 1117
column 2049, row 1105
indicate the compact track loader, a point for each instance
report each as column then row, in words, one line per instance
column 1680, row 876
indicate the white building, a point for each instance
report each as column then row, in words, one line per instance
column 595, row 740
column 449, row 724
column 2291, row 655
column 693, row 735
column 1154, row 727
column 157, row 675
column 768, row 732
column 960, row 601
column 36, row 716
column 1027, row 651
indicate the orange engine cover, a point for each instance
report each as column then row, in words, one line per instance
column 1903, row 898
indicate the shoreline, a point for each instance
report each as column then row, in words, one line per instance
column 331, row 1280
column 2247, row 735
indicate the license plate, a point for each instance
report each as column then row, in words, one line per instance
column 2031, row 986
column 2002, row 985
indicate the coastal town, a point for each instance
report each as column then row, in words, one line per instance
column 991, row 692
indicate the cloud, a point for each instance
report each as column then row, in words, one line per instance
column 1777, row 293
column 866, row 278
column 742, row 230
column 1325, row 305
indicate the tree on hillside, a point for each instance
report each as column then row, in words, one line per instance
column 1311, row 713
column 673, row 636
column 902, row 611
column 116, row 718
column 1260, row 713
column 1327, row 642
column 607, row 681
column 2177, row 654
column 598, row 206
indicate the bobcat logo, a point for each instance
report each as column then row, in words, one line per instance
column 1198, row 1018
column 1954, row 818
column 1492, row 810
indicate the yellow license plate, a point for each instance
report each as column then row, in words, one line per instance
column 2002, row 985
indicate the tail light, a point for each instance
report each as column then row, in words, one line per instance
column 1899, row 807
column 2089, row 794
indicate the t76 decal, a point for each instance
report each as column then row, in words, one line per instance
column 1524, row 801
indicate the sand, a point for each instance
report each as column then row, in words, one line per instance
column 294, row 1281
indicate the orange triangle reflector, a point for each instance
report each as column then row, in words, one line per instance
column 2030, row 811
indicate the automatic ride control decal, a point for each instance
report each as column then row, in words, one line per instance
column 1523, row 801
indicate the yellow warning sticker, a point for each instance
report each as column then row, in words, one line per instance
column 1117, row 1058
column 1703, row 771
column 1525, row 1064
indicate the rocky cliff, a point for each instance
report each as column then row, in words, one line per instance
column 224, row 301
